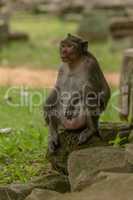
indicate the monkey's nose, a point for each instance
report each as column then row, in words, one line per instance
column 64, row 51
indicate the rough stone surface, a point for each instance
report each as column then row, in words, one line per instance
column 59, row 6
column 121, row 28
column 18, row 36
column 98, row 22
column 129, row 153
column 15, row 192
column 126, row 87
column 83, row 165
column 112, row 186
column 55, row 182
column 109, row 130
column 4, row 22
column 106, row 20
column 130, row 138
column 39, row 194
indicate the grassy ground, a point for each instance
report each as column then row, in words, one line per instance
column 42, row 50
column 22, row 153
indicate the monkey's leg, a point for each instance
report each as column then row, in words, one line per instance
column 51, row 118
column 84, row 136
column 52, row 121
column 87, row 133
column 53, row 139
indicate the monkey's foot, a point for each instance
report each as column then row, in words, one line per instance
column 84, row 136
column 53, row 143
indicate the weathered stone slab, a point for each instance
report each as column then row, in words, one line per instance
column 98, row 22
column 129, row 154
column 109, row 130
column 112, row 186
column 55, row 182
column 126, row 86
column 83, row 165
column 121, row 28
column 15, row 192
column 38, row 194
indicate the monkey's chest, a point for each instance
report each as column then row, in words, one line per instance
column 71, row 90
column 73, row 83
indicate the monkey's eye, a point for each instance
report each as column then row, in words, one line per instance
column 69, row 45
column 66, row 45
column 63, row 45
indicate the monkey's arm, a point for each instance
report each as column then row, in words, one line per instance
column 52, row 100
column 99, row 83
column 51, row 104
column 51, row 114
column 95, row 103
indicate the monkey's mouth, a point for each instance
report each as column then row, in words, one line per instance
column 64, row 58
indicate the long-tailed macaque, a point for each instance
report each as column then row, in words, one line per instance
column 80, row 95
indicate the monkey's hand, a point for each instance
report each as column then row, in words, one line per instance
column 84, row 136
column 53, row 143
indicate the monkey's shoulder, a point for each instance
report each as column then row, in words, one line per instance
column 63, row 69
column 90, row 63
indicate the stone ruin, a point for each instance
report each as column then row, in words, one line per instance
column 126, row 86
column 54, row 7
column 61, row 7
column 121, row 28
column 103, row 21
column 106, row 18
column 4, row 22
column 5, row 34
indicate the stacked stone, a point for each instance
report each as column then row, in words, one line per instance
column 105, row 19
column 122, row 28
column 4, row 22
column 126, row 86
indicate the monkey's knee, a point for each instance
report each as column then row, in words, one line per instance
column 46, row 115
column 54, row 120
column 84, row 136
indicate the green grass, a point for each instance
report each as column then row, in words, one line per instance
column 45, row 35
column 22, row 153
column 111, row 114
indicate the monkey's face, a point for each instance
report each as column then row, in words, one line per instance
column 69, row 51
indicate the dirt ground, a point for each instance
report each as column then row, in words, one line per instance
column 38, row 78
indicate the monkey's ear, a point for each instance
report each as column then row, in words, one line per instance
column 85, row 45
